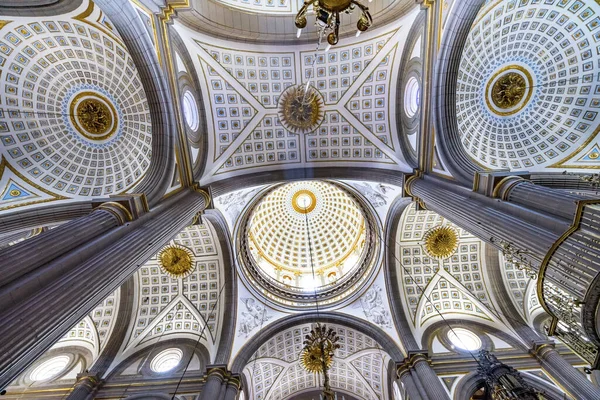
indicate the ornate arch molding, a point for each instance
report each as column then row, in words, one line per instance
column 386, row 343
column 230, row 292
column 391, row 275
column 457, row 29
column 131, row 28
column 471, row 382
column 409, row 67
column 224, row 186
column 34, row 8
column 197, row 138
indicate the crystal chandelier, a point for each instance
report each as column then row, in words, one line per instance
column 328, row 17
column 317, row 355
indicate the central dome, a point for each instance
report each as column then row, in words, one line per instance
column 304, row 220
column 308, row 238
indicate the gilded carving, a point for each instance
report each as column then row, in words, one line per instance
column 441, row 242
column 94, row 116
column 177, row 261
column 300, row 110
column 509, row 90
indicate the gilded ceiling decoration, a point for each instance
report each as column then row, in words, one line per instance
column 300, row 109
column 441, row 242
column 429, row 284
column 75, row 119
column 176, row 260
column 249, row 95
column 177, row 297
column 527, row 95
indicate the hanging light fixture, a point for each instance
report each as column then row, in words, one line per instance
column 504, row 382
column 317, row 355
column 327, row 13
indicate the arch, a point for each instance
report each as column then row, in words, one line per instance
column 135, row 36
column 230, row 278
column 246, row 352
column 42, row 8
column 222, row 187
column 444, row 108
column 190, row 81
column 391, row 275
column 471, row 382
column 409, row 68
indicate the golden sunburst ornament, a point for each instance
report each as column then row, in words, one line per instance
column 441, row 241
column 319, row 347
column 176, row 261
column 301, row 109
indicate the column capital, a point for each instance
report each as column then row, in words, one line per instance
column 539, row 347
column 218, row 370
column 497, row 184
column 205, row 192
column 124, row 208
column 90, row 381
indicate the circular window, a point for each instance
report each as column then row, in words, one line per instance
column 166, row 360
column 412, row 97
column 190, row 110
column 307, row 238
column 50, row 368
column 464, row 339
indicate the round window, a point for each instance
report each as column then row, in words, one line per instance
column 190, row 110
column 50, row 368
column 464, row 339
column 166, row 360
column 412, row 97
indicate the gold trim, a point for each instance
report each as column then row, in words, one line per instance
column 541, row 274
column 560, row 164
column 89, row 11
column 110, row 207
column 74, row 114
column 313, row 201
column 505, row 70
column 500, row 184
column 3, row 23
column 5, row 164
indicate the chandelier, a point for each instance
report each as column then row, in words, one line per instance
column 328, row 17
column 317, row 355
column 504, row 382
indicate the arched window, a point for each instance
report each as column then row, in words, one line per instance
column 50, row 368
column 412, row 97
column 464, row 339
column 190, row 110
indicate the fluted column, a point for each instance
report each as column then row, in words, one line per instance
column 85, row 387
column 214, row 382
column 405, row 377
column 575, row 382
column 234, row 384
column 420, row 379
column 47, row 303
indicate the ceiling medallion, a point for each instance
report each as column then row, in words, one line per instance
column 301, row 109
column 441, row 242
column 327, row 14
column 176, row 261
column 93, row 116
column 509, row 90
column 304, row 201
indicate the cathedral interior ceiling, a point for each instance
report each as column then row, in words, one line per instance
column 360, row 367
column 528, row 94
column 354, row 81
column 74, row 122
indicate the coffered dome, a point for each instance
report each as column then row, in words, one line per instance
column 307, row 237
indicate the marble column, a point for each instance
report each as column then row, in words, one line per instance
column 46, row 304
